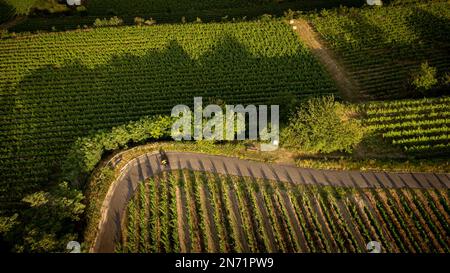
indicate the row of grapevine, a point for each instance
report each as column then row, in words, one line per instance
column 419, row 127
column 383, row 47
column 56, row 87
column 152, row 218
column 171, row 11
column 240, row 214
column 144, row 7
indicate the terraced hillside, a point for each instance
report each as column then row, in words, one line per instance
column 383, row 47
column 57, row 87
column 185, row 211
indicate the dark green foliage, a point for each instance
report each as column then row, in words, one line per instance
column 7, row 11
column 46, row 223
column 10, row 8
column 112, row 22
column 321, row 125
column 425, row 78
column 88, row 151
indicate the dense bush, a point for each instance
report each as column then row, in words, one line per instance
column 425, row 78
column 26, row 7
column 141, row 21
column 47, row 222
column 112, row 22
column 88, row 151
column 322, row 125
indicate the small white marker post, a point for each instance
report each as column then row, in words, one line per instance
column 294, row 27
column 291, row 21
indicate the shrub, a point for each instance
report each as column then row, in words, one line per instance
column 290, row 14
column 139, row 21
column 88, row 151
column 3, row 33
column 198, row 20
column 81, row 10
column 425, row 78
column 287, row 103
column 322, row 125
column 113, row 21
column 47, row 223
column 266, row 18
column 150, row 22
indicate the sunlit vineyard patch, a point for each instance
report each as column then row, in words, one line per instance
column 184, row 211
column 419, row 127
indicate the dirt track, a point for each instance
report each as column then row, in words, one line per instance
column 148, row 165
column 348, row 88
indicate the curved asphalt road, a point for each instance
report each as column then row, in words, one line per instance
column 148, row 165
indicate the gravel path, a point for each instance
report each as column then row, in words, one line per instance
column 148, row 165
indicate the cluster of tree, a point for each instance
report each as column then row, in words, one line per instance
column 112, row 22
column 48, row 219
column 88, row 151
column 322, row 125
column 46, row 222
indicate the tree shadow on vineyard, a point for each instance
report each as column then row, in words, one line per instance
column 56, row 104
column 433, row 30
column 174, row 14
column 6, row 11
column 429, row 27
column 378, row 49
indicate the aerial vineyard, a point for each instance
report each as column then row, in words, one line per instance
column 56, row 87
column 185, row 211
column 143, row 7
column 383, row 47
column 170, row 11
column 419, row 127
